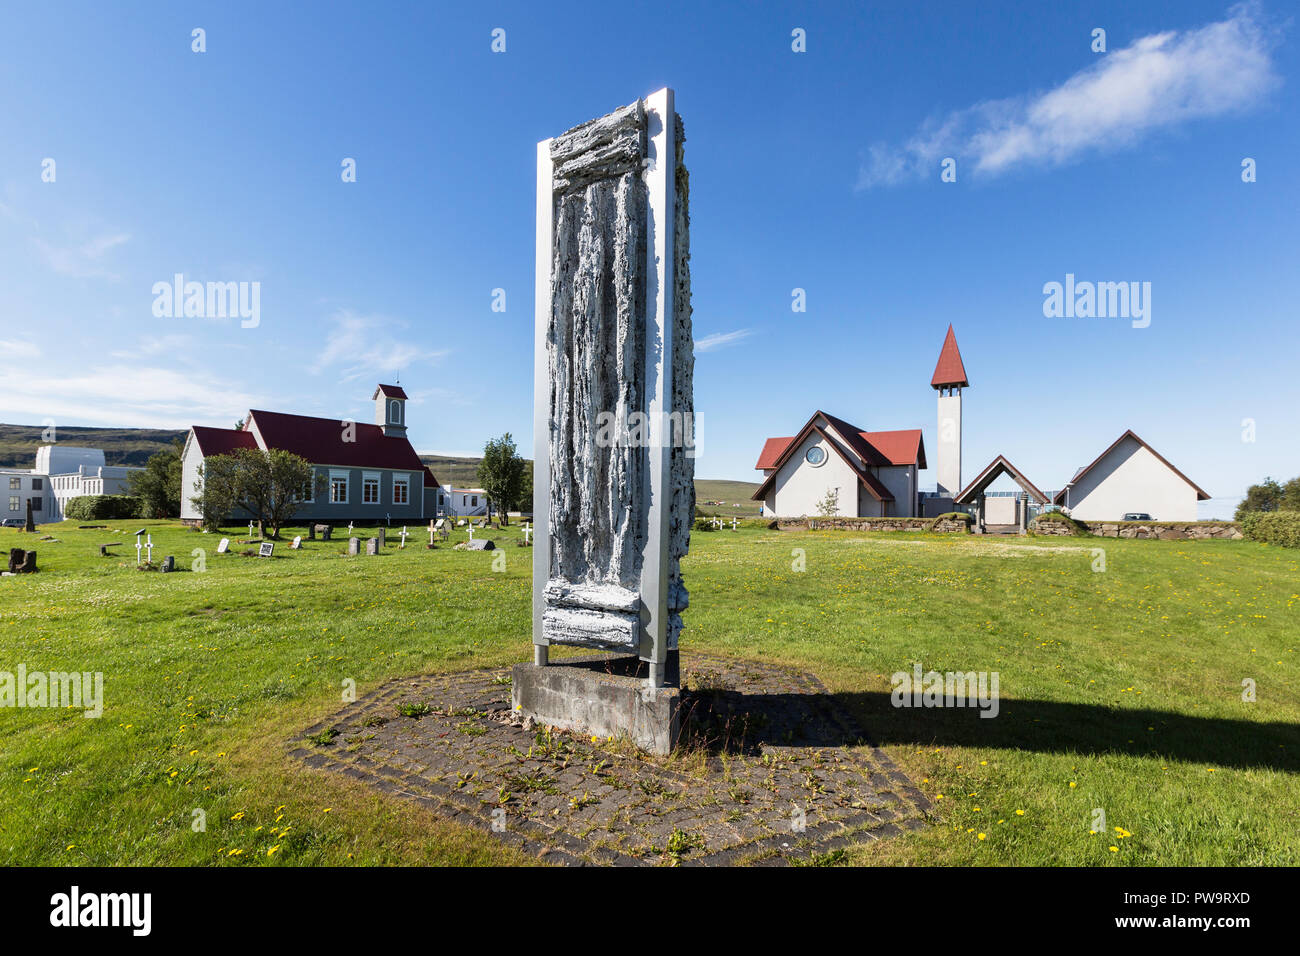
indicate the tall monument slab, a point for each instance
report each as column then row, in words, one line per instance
column 613, row 419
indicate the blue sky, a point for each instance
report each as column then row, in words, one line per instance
column 817, row 170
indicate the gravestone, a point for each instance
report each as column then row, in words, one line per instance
column 324, row 530
column 169, row 564
column 223, row 546
column 296, row 544
column 31, row 524
column 383, row 538
column 460, row 523
column 480, row 544
column 613, row 347
column 16, row 559
column 266, row 549
column 372, row 546
column 29, row 563
column 354, row 545
column 311, row 532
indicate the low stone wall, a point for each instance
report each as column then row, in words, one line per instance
column 942, row 526
column 1171, row 530
column 1051, row 527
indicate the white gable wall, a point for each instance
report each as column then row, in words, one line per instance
column 1131, row 478
column 800, row 487
column 191, row 459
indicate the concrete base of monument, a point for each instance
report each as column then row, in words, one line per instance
column 604, row 695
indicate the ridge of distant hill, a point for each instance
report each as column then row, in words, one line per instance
column 121, row 446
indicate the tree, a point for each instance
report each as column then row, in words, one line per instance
column 829, row 506
column 268, row 485
column 218, row 489
column 1262, row 497
column 501, row 473
column 1290, row 500
column 158, row 486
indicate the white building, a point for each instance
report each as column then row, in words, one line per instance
column 870, row 474
column 462, row 502
column 1130, row 477
column 61, row 474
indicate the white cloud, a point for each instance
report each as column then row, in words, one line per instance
column 147, row 346
column 1159, row 81
column 364, row 345
column 720, row 340
column 82, row 260
column 121, row 396
column 14, row 349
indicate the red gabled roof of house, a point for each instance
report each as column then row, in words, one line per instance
column 902, row 447
column 898, row 447
column 430, row 481
column 868, row 480
column 949, row 370
column 221, row 441
column 321, row 441
column 1200, row 494
column 389, row 391
column 772, row 450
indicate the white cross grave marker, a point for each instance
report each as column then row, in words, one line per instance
column 148, row 547
column 403, row 544
column 528, row 533
column 250, row 529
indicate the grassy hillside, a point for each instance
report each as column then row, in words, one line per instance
column 122, row 446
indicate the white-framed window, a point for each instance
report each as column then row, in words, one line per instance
column 370, row 488
column 395, row 412
column 15, row 484
column 401, row 489
column 338, row 487
column 816, row 456
column 311, row 487
column 14, row 502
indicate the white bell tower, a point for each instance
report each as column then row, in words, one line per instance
column 949, row 379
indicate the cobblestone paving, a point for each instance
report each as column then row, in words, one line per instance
column 771, row 771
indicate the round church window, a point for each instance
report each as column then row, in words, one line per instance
column 815, row 456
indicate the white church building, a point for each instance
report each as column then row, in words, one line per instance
column 876, row 474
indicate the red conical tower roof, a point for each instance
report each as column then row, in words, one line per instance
column 950, row 371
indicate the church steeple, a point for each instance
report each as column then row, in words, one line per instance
column 390, row 410
column 949, row 379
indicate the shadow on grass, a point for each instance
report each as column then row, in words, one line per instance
column 725, row 720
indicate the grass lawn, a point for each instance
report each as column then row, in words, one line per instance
column 1120, row 690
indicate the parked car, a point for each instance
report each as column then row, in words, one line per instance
column 1138, row 516
column 12, row 523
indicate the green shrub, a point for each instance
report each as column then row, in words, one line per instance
column 704, row 524
column 99, row 507
column 1273, row 527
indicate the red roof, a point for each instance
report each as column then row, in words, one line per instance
column 875, row 448
column 320, row 441
column 388, row 391
column 868, row 480
column 429, row 480
column 949, row 370
column 772, row 449
column 221, row 441
column 898, row 447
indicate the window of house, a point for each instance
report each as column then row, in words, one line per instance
column 15, row 484
column 13, row 503
column 338, row 489
column 401, row 490
column 473, row 501
column 36, row 504
column 37, row 484
column 370, row 490
column 395, row 412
